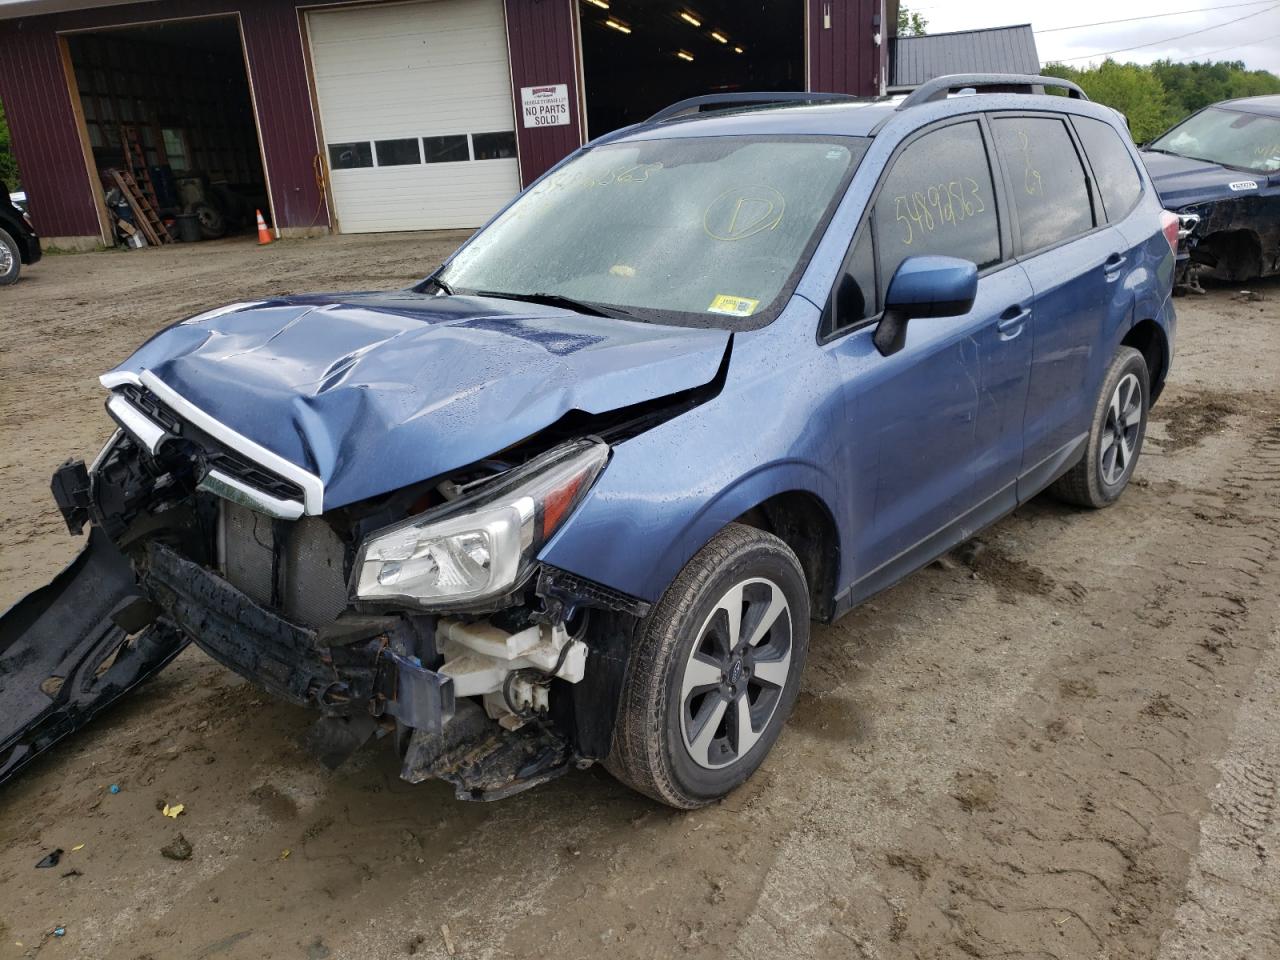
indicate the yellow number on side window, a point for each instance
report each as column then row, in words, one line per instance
column 898, row 204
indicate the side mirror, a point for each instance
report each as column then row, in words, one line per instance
column 924, row 287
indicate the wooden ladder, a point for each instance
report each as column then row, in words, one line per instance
column 148, row 221
column 135, row 163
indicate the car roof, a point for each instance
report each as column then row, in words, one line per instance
column 1268, row 106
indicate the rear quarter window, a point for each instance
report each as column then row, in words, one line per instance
column 1113, row 166
column 1047, row 180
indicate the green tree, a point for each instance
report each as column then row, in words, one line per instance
column 910, row 23
column 1134, row 90
column 8, row 163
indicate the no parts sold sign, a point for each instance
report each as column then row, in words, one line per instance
column 545, row 106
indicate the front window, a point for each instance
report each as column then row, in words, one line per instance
column 1242, row 141
column 706, row 231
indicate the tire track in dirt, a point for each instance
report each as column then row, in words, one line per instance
column 1064, row 830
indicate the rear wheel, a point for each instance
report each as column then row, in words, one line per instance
column 716, row 671
column 1115, row 438
column 10, row 260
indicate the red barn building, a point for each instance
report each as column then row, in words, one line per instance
column 379, row 115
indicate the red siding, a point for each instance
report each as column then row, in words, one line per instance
column 39, row 111
column 542, row 36
column 44, row 135
column 843, row 58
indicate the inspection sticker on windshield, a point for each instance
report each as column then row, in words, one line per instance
column 733, row 306
column 1244, row 185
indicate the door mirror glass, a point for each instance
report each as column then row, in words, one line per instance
column 933, row 287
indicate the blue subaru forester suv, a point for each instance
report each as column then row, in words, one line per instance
column 577, row 496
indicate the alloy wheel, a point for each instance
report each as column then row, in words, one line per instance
column 1119, row 440
column 735, row 674
column 6, row 259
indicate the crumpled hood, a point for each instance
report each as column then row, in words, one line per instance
column 1181, row 181
column 372, row 392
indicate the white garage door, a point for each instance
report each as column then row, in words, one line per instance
column 415, row 102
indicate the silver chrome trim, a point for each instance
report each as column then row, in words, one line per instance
column 229, row 488
column 147, row 431
column 312, row 486
column 118, row 378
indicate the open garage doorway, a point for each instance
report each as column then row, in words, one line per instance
column 169, row 106
column 639, row 57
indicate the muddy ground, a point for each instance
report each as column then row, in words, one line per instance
column 1064, row 743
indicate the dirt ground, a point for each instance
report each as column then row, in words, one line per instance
column 1062, row 743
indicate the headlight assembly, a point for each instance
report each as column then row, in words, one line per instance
column 483, row 545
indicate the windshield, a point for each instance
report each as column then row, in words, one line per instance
column 1245, row 141
column 707, row 231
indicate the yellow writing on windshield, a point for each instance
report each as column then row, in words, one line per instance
column 743, row 212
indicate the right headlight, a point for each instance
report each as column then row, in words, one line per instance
column 479, row 546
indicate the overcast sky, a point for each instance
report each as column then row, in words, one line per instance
column 1255, row 40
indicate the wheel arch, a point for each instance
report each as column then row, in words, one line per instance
column 804, row 522
column 1149, row 339
column 791, row 500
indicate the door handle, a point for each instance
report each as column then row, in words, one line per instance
column 1012, row 320
column 1113, row 265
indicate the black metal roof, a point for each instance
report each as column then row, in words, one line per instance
column 913, row 60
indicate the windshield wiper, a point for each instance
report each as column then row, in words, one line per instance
column 557, row 300
column 441, row 286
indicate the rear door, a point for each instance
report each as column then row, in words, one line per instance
column 935, row 437
column 1077, row 265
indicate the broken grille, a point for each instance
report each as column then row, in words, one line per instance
column 215, row 454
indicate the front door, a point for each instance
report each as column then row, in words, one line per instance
column 935, row 439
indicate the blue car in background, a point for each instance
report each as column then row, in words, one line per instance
column 578, row 495
column 1219, row 170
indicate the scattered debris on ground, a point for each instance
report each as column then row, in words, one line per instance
column 179, row 848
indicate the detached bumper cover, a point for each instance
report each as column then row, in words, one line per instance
column 66, row 652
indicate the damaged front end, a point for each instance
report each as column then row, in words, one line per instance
column 421, row 616
column 1234, row 239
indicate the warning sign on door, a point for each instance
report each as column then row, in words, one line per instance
column 545, row 106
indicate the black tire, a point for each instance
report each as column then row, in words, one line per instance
column 12, row 261
column 651, row 749
column 212, row 223
column 1097, row 481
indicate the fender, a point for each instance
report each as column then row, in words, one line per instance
column 666, row 492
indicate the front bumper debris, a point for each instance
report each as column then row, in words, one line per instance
column 73, row 647
column 357, row 672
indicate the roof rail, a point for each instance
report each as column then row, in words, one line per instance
column 939, row 87
column 716, row 100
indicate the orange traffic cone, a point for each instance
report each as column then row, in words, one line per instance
column 264, row 235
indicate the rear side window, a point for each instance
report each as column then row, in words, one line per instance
column 1113, row 167
column 938, row 199
column 1050, row 192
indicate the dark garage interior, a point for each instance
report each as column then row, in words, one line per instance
column 639, row 57
column 169, row 103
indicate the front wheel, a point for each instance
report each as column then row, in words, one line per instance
column 715, row 671
column 10, row 261
column 1115, row 436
